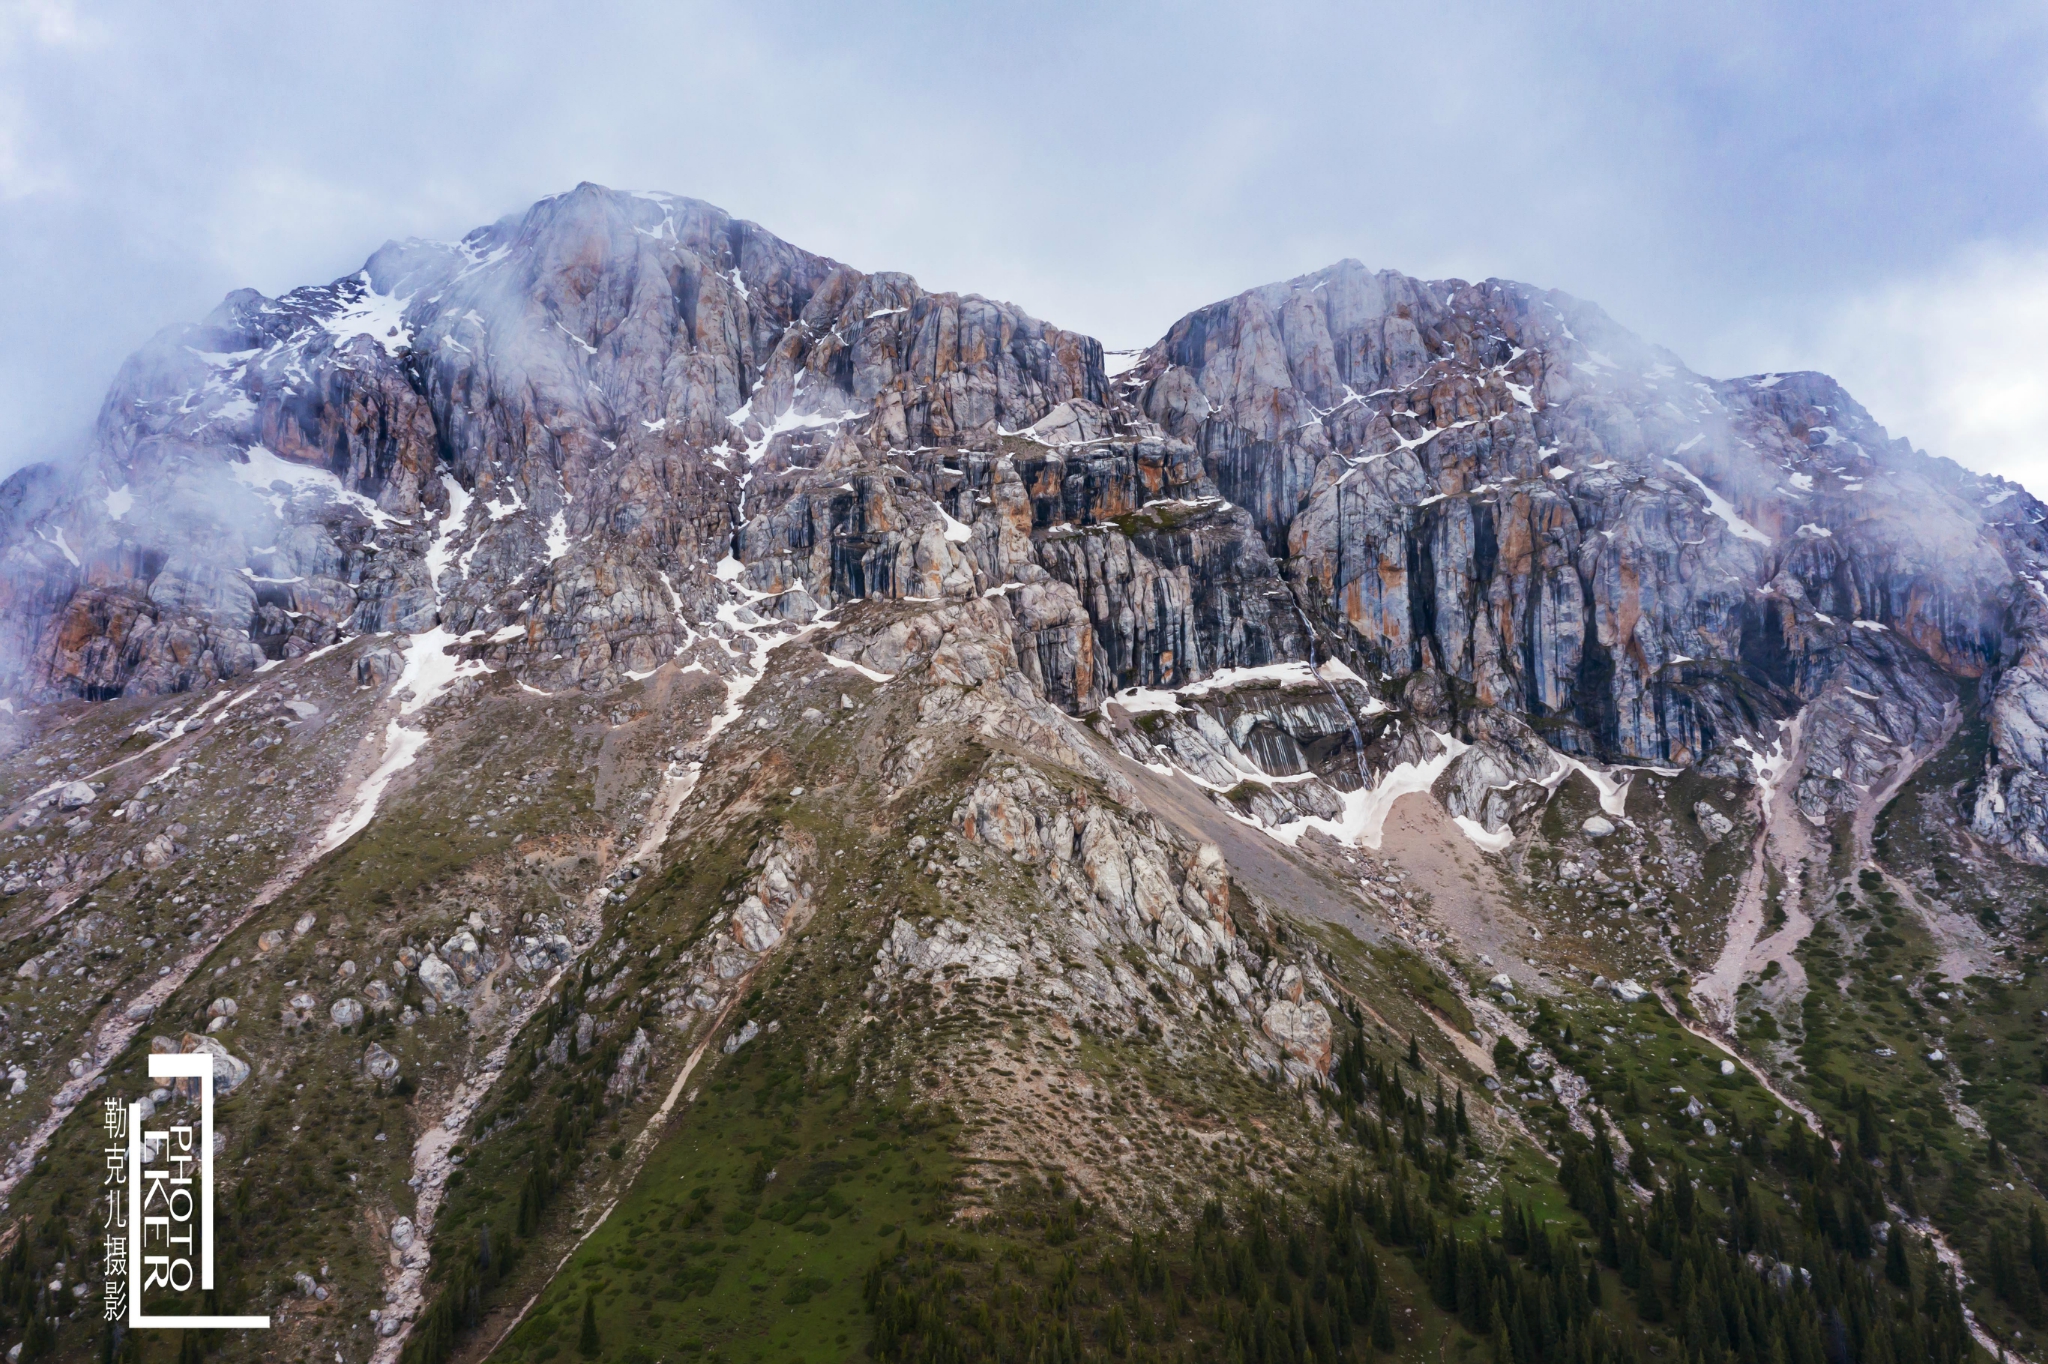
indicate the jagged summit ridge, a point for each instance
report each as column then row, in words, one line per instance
column 578, row 435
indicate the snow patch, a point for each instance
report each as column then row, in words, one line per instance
column 1148, row 701
column 869, row 673
column 1365, row 811
column 381, row 316
column 1721, row 506
column 442, row 551
column 262, row 470
column 55, row 535
column 787, row 422
column 1613, row 790
column 1287, row 674
column 430, row 670
column 401, row 746
column 500, row 510
column 956, row 530
column 1482, row 836
column 1769, row 767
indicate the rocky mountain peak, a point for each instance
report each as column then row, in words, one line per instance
column 640, row 645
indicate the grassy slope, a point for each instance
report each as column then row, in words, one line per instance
column 1998, row 1064
column 865, row 1125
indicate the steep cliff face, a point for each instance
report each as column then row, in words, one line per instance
column 1501, row 485
column 555, row 423
column 558, row 430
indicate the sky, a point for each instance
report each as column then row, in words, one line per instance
column 1861, row 189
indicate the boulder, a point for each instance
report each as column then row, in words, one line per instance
column 381, row 1066
column 541, row 954
column 73, row 794
column 229, row 1070
column 1713, row 824
column 401, row 1233
column 632, row 1067
column 1304, row 1031
column 1628, row 991
column 440, row 979
column 378, row 666
column 753, row 927
column 464, row 955
column 346, row 1013
column 1597, row 826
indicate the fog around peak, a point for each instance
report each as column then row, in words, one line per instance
column 1847, row 190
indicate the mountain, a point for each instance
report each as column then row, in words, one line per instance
column 711, row 804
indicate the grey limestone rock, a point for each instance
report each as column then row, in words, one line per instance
column 617, row 431
column 440, row 979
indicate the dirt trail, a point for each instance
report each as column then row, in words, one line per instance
column 1864, row 824
column 1965, row 948
column 1784, row 841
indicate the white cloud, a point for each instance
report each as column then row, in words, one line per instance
column 51, row 23
column 1956, row 359
column 30, row 29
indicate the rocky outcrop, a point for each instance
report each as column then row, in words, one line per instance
column 618, row 431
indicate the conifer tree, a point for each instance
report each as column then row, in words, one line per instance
column 1896, row 1267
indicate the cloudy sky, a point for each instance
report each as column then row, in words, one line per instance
column 1857, row 188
